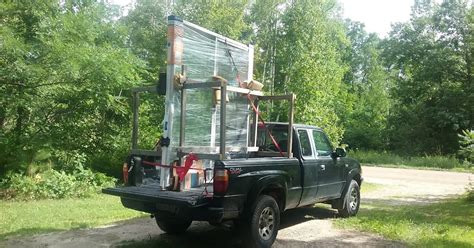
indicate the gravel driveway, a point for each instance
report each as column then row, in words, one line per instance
column 305, row 227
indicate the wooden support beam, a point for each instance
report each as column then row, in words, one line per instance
column 136, row 104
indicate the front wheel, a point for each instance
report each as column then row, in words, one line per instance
column 264, row 222
column 173, row 225
column 351, row 201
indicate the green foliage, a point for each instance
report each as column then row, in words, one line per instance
column 54, row 184
column 365, row 118
column 299, row 51
column 466, row 141
column 388, row 158
column 64, row 68
column 430, row 58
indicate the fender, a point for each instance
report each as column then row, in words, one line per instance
column 352, row 173
column 269, row 181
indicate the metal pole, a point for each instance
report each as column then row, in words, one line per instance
column 223, row 119
column 182, row 123
column 255, row 124
column 175, row 53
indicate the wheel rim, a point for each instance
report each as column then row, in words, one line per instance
column 353, row 199
column 266, row 223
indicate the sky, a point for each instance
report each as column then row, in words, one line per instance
column 377, row 15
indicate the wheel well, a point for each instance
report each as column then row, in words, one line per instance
column 277, row 193
column 358, row 179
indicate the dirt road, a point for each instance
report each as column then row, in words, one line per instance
column 305, row 227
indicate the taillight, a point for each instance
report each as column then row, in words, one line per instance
column 125, row 172
column 221, row 181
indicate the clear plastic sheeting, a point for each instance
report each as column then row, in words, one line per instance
column 206, row 54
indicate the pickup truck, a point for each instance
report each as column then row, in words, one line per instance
column 253, row 191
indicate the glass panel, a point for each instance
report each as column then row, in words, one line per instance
column 204, row 56
column 323, row 147
column 305, row 143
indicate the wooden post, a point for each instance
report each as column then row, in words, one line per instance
column 290, row 125
column 135, row 106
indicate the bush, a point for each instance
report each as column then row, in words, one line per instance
column 387, row 158
column 435, row 161
column 466, row 150
column 376, row 157
column 54, row 184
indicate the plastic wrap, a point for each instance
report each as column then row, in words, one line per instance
column 205, row 55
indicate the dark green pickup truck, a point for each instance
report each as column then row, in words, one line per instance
column 254, row 190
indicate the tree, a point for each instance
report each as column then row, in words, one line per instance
column 431, row 57
column 63, row 71
column 309, row 62
column 368, row 85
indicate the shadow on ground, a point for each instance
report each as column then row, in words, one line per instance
column 201, row 234
column 29, row 231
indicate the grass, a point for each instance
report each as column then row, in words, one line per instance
column 445, row 224
column 388, row 159
column 40, row 216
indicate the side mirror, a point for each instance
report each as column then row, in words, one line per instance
column 340, row 152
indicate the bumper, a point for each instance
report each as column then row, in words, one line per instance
column 187, row 205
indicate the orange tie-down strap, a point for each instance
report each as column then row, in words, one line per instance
column 180, row 170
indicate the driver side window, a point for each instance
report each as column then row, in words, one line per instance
column 323, row 146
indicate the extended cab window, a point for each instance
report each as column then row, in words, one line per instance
column 323, row 146
column 305, row 143
column 265, row 143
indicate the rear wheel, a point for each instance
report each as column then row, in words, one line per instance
column 173, row 225
column 264, row 222
column 351, row 200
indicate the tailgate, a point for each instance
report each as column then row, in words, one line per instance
column 154, row 194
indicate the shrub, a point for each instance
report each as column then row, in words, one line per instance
column 436, row 161
column 387, row 158
column 466, row 150
column 376, row 157
column 54, row 184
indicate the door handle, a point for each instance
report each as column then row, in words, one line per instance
column 323, row 167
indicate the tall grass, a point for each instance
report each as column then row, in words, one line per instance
column 388, row 158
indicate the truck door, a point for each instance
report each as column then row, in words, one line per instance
column 310, row 167
column 330, row 174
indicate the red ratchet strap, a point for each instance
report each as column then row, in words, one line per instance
column 266, row 128
column 180, row 170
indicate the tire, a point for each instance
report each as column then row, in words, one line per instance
column 263, row 223
column 351, row 201
column 173, row 225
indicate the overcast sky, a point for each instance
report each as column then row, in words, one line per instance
column 377, row 15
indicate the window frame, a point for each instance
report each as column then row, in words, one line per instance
column 327, row 140
column 311, row 143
